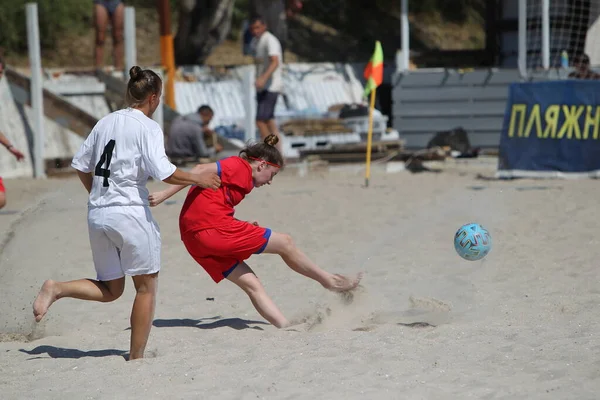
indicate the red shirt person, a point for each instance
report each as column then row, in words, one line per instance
column 220, row 243
column 212, row 235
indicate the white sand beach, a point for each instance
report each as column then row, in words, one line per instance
column 524, row 323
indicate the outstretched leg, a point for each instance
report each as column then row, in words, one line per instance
column 142, row 313
column 83, row 289
column 283, row 245
column 244, row 277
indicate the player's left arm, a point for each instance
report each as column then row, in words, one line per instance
column 86, row 178
column 158, row 197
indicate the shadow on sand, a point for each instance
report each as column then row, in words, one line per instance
column 215, row 322
column 59, row 352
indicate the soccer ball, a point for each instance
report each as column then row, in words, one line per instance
column 472, row 242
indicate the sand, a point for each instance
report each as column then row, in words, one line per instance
column 521, row 324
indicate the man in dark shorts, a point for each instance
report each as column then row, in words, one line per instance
column 269, row 81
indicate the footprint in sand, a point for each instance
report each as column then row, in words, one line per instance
column 423, row 312
column 428, row 303
column 37, row 331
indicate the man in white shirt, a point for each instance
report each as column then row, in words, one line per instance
column 269, row 83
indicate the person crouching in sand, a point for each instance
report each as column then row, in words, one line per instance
column 221, row 243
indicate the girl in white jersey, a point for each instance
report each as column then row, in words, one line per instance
column 114, row 163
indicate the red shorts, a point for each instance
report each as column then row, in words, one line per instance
column 2, row 189
column 220, row 250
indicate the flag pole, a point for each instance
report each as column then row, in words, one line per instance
column 370, row 137
column 166, row 50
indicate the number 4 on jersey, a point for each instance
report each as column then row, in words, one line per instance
column 106, row 157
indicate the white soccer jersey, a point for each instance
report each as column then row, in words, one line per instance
column 123, row 150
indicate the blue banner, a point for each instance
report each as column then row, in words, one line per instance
column 551, row 129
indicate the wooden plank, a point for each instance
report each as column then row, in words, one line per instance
column 361, row 148
column 353, row 157
column 387, row 156
column 55, row 107
column 312, row 127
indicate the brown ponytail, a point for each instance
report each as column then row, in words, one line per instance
column 263, row 151
column 142, row 84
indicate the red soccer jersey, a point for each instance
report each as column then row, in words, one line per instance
column 207, row 208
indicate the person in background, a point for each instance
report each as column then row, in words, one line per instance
column 15, row 152
column 203, row 116
column 112, row 11
column 269, row 80
column 6, row 143
column 275, row 14
column 189, row 134
column 583, row 71
column 220, row 243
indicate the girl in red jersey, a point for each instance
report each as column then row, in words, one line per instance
column 221, row 243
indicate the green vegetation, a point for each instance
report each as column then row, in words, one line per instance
column 57, row 19
column 457, row 11
column 334, row 30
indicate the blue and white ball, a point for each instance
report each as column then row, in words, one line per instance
column 472, row 242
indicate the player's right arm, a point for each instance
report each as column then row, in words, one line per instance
column 204, row 171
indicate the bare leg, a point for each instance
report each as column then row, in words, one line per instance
column 283, row 245
column 100, row 22
column 263, row 129
column 142, row 313
column 83, row 289
column 2, row 199
column 272, row 126
column 244, row 277
column 118, row 25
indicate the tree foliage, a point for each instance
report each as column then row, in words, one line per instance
column 203, row 24
column 55, row 18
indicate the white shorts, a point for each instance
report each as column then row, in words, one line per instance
column 125, row 240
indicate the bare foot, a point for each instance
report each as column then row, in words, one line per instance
column 341, row 283
column 44, row 299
